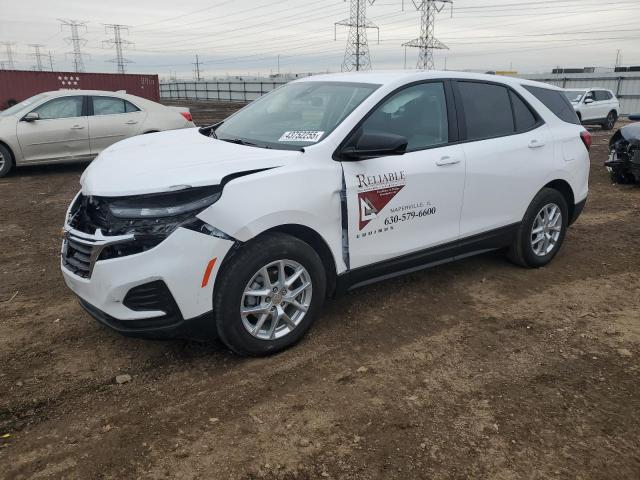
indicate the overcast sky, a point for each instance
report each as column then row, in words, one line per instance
column 246, row 36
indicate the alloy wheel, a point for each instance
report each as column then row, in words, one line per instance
column 276, row 299
column 546, row 230
column 2, row 161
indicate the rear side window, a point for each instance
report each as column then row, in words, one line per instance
column 130, row 107
column 522, row 114
column 112, row 105
column 487, row 110
column 555, row 101
column 602, row 95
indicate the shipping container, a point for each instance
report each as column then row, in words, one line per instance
column 18, row 85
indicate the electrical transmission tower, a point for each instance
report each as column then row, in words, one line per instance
column 75, row 41
column 37, row 54
column 196, row 69
column 356, row 55
column 118, row 43
column 8, row 62
column 427, row 42
column 50, row 56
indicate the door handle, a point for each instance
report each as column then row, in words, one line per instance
column 77, row 127
column 131, row 122
column 536, row 143
column 446, row 160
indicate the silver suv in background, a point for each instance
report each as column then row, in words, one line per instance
column 595, row 106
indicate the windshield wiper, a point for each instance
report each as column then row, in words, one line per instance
column 239, row 141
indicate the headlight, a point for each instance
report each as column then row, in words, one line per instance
column 165, row 204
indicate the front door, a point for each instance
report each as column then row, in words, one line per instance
column 112, row 119
column 60, row 133
column 405, row 203
column 589, row 110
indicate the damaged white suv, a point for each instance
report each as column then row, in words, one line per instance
column 242, row 229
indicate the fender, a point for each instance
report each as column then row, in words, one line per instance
column 247, row 206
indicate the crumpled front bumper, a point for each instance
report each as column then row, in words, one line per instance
column 181, row 262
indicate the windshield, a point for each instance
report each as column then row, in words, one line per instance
column 574, row 96
column 24, row 105
column 295, row 115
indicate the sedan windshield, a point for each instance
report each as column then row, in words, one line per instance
column 574, row 96
column 24, row 105
column 295, row 115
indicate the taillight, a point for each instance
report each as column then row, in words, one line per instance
column 187, row 116
column 585, row 136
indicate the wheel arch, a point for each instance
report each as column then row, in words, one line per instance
column 565, row 189
column 315, row 240
column 11, row 152
column 307, row 235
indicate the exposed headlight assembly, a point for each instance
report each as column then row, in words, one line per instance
column 149, row 218
column 165, row 204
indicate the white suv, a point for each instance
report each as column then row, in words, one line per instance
column 326, row 184
column 595, row 106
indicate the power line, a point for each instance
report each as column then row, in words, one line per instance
column 356, row 55
column 75, row 41
column 118, row 43
column 427, row 42
column 38, row 56
column 8, row 63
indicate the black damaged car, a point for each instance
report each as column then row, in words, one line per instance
column 624, row 153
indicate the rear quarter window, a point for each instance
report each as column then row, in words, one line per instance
column 555, row 101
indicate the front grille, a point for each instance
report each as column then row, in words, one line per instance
column 77, row 257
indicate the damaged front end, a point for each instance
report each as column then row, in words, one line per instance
column 102, row 228
column 624, row 155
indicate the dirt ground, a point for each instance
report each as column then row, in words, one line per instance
column 477, row 369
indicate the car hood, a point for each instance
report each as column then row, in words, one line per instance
column 165, row 161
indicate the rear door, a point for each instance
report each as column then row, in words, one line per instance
column 604, row 102
column 60, row 133
column 508, row 150
column 405, row 203
column 112, row 119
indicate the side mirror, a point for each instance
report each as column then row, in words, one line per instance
column 635, row 117
column 377, row 144
column 588, row 100
column 31, row 117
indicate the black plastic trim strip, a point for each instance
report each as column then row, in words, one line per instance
column 476, row 244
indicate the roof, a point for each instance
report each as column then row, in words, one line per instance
column 64, row 92
column 384, row 77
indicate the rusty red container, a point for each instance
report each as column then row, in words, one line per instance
column 17, row 85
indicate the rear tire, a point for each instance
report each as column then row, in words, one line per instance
column 281, row 317
column 6, row 161
column 541, row 232
column 611, row 121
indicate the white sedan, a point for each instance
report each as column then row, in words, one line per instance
column 76, row 125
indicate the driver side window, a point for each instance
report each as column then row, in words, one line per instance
column 418, row 113
column 63, row 107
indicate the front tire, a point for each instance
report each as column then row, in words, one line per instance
column 6, row 161
column 269, row 294
column 542, row 230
